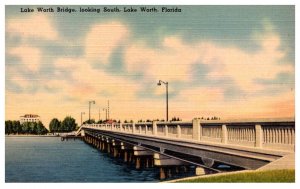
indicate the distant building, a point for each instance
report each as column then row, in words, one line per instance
column 29, row 118
column 109, row 121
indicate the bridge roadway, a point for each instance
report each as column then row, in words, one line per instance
column 206, row 153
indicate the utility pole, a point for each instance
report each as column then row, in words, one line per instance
column 99, row 114
column 108, row 109
column 105, row 109
column 90, row 102
column 81, row 116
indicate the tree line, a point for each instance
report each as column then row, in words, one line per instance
column 67, row 125
column 92, row 121
column 208, row 118
column 37, row 128
column 15, row 127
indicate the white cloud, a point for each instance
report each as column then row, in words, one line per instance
column 30, row 56
column 35, row 26
column 174, row 61
column 102, row 39
column 90, row 82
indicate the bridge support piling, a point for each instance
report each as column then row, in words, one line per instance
column 115, row 152
column 147, row 163
column 119, row 153
column 138, row 163
column 184, row 168
column 103, row 146
column 108, row 148
column 162, row 174
column 130, row 157
column 125, row 156
column 169, row 172
column 99, row 144
column 152, row 162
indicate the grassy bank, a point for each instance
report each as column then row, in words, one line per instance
column 255, row 176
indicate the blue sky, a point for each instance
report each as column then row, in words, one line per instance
column 226, row 61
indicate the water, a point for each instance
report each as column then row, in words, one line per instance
column 47, row 159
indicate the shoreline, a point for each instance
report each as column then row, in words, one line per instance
column 32, row 136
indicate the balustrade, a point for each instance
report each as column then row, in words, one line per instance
column 281, row 135
column 268, row 135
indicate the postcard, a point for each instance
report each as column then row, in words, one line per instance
column 149, row 93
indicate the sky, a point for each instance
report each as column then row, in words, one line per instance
column 226, row 61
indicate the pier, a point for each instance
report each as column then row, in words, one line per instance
column 70, row 137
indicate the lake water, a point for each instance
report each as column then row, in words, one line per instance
column 47, row 159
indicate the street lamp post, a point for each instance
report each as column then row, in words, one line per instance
column 81, row 116
column 93, row 102
column 167, row 97
column 108, row 109
column 99, row 114
column 105, row 109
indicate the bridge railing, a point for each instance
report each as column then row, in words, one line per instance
column 277, row 134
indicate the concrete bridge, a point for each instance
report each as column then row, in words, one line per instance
column 242, row 144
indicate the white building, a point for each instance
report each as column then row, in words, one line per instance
column 29, row 118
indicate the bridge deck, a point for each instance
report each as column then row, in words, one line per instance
column 242, row 143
